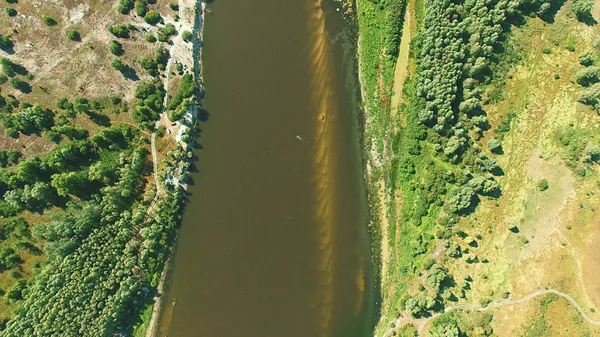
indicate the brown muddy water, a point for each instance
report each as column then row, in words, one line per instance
column 274, row 241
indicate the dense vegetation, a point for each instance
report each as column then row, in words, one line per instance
column 83, row 245
column 434, row 159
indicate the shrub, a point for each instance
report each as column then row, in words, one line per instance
column 115, row 48
column 49, row 21
column 542, row 185
column 10, row 11
column 187, row 36
column 152, row 17
column 174, row 6
column 72, row 34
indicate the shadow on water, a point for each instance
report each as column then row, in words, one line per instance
column 345, row 33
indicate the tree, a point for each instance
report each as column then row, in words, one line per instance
column 118, row 64
column 72, row 34
column 119, row 30
column 152, row 17
column 494, row 146
column 583, row 10
column 49, row 21
column 115, row 48
column 10, row 11
column 150, row 38
column 6, row 42
column 141, row 7
column 587, row 59
column 125, row 6
column 187, row 36
column 542, row 185
column 20, row 85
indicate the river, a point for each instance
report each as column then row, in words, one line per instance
column 273, row 242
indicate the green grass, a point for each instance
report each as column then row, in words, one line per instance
column 139, row 330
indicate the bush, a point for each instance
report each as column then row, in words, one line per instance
column 587, row 59
column 187, row 36
column 12, row 133
column 588, row 76
column 150, row 38
column 10, row 11
column 118, row 64
column 583, row 10
column 119, row 30
column 542, row 185
column 115, row 48
column 174, row 6
column 494, row 146
column 49, row 21
column 141, row 7
column 72, row 34
column 152, row 17
column 20, row 85
column 125, row 6
column 6, row 41
column 166, row 32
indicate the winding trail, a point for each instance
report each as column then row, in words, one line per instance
column 422, row 323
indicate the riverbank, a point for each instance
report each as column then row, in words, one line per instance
column 193, row 58
column 378, row 55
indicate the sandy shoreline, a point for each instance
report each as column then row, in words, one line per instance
column 198, row 31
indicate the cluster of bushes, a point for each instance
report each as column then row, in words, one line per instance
column 150, row 98
column 165, row 33
column 10, row 157
column 180, row 103
column 432, row 294
column 156, row 63
column 11, row 69
column 120, row 30
column 29, row 120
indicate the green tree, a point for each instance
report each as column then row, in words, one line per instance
column 6, row 41
column 115, row 48
column 10, row 11
column 72, row 34
column 141, row 7
column 583, row 10
column 118, row 64
column 152, row 17
column 49, row 21
column 187, row 36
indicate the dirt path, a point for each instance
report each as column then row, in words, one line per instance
column 402, row 63
column 422, row 323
